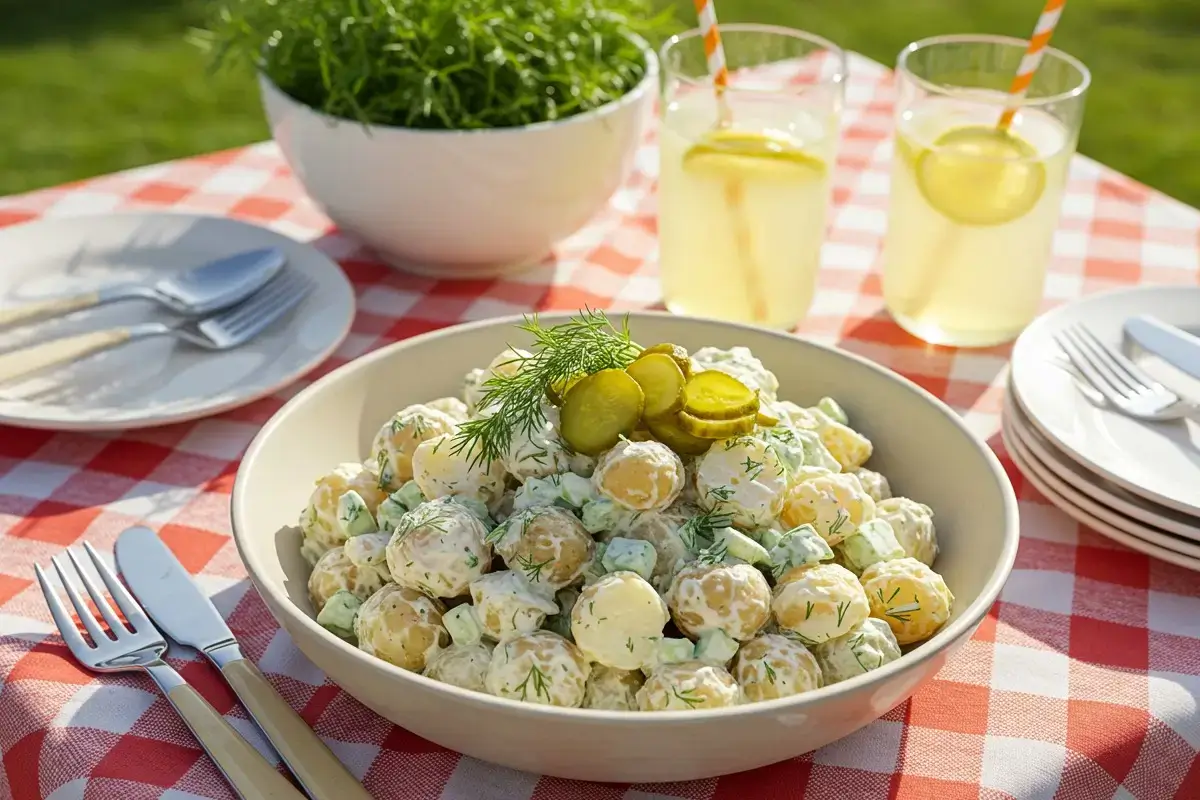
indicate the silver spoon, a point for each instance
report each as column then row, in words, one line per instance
column 194, row 292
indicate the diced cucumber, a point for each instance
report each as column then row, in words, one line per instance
column 337, row 616
column 715, row 647
column 602, row 515
column 390, row 512
column 353, row 516
column 536, row 493
column 634, row 555
column 873, row 542
column 368, row 550
column 670, row 651
column 739, row 545
column 409, row 495
column 769, row 538
column 833, row 410
column 462, row 625
column 575, row 490
column 798, row 547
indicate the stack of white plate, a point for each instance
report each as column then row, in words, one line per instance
column 1136, row 482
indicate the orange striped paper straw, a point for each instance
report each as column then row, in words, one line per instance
column 1030, row 61
column 714, row 53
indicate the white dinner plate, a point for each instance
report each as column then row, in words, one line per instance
column 1157, row 461
column 156, row 381
column 1094, row 486
column 1039, row 478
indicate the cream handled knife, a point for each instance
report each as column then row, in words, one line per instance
column 1173, row 345
column 186, row 615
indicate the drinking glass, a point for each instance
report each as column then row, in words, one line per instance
column 743, row 189
column 974, row 206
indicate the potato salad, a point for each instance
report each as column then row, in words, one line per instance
column 601, row 525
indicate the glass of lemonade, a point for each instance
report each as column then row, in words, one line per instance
column 744, row 181
column 973, row 206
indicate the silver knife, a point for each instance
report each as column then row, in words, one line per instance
column 1174, row 345
column 186, row 615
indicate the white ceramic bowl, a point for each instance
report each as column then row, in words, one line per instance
column 462, row 204
column 920, row 444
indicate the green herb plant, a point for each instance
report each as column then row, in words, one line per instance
column 440, row 64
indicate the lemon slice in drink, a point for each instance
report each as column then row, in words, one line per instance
column 979, row 175
column 750, row 155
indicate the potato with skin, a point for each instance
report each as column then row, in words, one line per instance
column 549, row 546
column 910, row 597
column 688, row 686
column 618, row 620
column 402, row 626
column 335, row 572
column 835, row 504
column 772, row 666
column 734, row 598
column 818, row 602
column 612, row 689
column 539, row 667
column 393, row 447
column 639, row 476
column 506, row 605
column 462, row 665
column 439, row 548
column 743, row 477
column 912, row 523
column 319, row 520
column 442, row 471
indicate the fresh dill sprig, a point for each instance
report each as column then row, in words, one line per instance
column 699, row 531
column 585, row 344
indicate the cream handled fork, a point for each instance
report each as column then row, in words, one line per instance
column 141, row 647
column 228, row 329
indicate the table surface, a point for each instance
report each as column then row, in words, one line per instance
column 1081, row 682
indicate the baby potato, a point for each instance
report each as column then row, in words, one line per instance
column 398, row 438
column 868, row 645
column 772, row 666
column 335, row 572
column 319, row 520
column 733, row 598
column 742, row 477
column 819, row 602
column 506, row 605
column 640, row 476
column 549, row 546
column 402, row 626
column 612, row 689
column 439, row 547
column 440, row 471
column 539, row 667
column 463, row 665
column 688, row 686
column 912, row 523
column 910, row 597
column 618, row 620
column 834, row 503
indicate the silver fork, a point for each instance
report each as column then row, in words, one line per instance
column 1125, row 385
column 140, row 646
column 226, row 330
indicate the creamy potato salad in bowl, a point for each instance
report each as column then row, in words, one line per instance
column 640, row 549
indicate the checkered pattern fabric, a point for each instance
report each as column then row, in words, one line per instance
column 1081, row 683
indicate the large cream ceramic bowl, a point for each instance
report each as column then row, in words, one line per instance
column 920, row 444
column 462, row 204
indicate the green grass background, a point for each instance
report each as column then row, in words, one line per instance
column 92, row 86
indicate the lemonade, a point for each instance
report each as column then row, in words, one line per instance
column 974, row 204
column 742, row 210
column 973, row 213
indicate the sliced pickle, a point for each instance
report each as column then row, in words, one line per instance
column 716, row 428
column 715, row 395
column 600, row 409
column 662, row 382
column 678, row 354
column 766, row 420
column 556, row 391
column 668, row 431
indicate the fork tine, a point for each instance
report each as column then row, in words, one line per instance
column 1084, row 365
column 81, row 609
column 1104, row 358
column 129, row 607
column 106, row 611
column 1115, row 382
column 1135, row 373
column 282, row 301
column 62, row 618
column 262, row 303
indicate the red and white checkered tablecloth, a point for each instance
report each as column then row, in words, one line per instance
column 1081, row 684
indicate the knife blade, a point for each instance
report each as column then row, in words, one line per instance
column 185, row 614
column 1174, row 345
